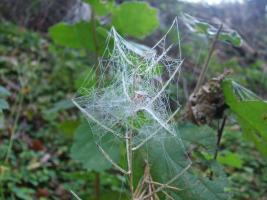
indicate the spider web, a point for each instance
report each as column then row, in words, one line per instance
column 131, row 96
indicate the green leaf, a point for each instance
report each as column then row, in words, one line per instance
column 23, row 192
column 167, row 158
column 4, row 92
column 113, row 195
column 3, row 104
column 2, row 120
column 228, row 91
column 202, row 27
column 86, row 81
column 232, row 37
column 136, row 19
column 230, row 159
column 84, row 149
column 79, row 35
column 61, row 105
column 68, row 127
column 251, row 114
column 205, row 28
column 101, row 7
column 203, row 137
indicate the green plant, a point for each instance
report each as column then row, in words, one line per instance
column 127, row 118
column 128, row 127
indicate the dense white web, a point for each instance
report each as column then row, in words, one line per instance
column 131, row 96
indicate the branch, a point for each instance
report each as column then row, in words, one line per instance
column 205, row 67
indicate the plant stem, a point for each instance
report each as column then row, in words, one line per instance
column 97, row 186
column 15, row 112
column 130, row 160
column 219, row 137
column 205, row 67
column 14, row 128
column 95, row 41
column 97, row 175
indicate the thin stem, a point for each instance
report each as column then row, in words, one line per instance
column 111, row 161
column 166, row 84
column 163, row 186
column 95, row 36
column 166, row 186
column 130, row 160
column 205, row 67
column 75, row 195
column 167, row 195
column 153, row 134
column 14, row 128
column 219, row 137
column 97, row 186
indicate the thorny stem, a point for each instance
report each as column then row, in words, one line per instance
column 205, row 67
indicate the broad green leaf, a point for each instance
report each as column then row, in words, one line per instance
column 4, row 92
column 3, row 104
column 68, row 127
column 251, row 134
column 205, row 28
column 85, row 151
column 230, row 159
column 86, row 81
column 61, row 105
column 227, row 158
column 167, row 158
column 113, row 195
column 203, row 137
column 136, row 19
column 79, row 35
column 232, row 37
column 101, row 7
column 204, row 187
column 23, row 192
column 251, row 114
column 228, row 91
column 202, row 27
